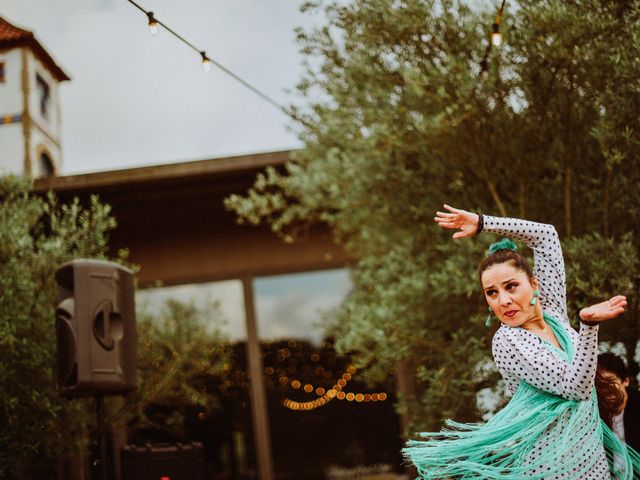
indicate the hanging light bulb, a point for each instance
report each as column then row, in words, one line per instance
column 153, row 24
column 496, row 36
column 206, row 63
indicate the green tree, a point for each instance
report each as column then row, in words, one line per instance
column 400, row 119
column 182, row 359
column 37, row 234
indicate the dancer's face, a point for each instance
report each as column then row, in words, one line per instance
column 509, row 291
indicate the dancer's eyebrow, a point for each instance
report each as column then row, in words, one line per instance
column 504, row 283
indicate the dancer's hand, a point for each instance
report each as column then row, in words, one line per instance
column 462, row 220
column 601, row 312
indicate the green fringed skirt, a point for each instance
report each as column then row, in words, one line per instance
column 538, row 435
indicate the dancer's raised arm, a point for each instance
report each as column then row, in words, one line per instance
column 540, row 237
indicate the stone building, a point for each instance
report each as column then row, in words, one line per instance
column 30, row 119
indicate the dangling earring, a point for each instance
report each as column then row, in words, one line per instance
column 535, row 297
column 487, row 322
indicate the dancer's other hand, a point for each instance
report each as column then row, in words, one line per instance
column 462, row 220
column 608, row 310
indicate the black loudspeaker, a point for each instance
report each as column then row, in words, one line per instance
column 95, row 329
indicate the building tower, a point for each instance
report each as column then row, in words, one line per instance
column 29, row 105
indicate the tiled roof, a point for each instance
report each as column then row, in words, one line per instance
column 13, row 37
column 10, row 32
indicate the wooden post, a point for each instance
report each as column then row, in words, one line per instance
column 256, row 385
column 26, row 114
column 406, row 388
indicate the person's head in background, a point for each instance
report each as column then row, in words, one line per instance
column 612, row 380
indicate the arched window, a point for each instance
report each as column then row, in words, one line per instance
column 45, row 166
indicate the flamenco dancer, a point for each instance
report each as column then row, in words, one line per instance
column 551, row 428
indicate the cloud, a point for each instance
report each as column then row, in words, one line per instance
column 103, row 5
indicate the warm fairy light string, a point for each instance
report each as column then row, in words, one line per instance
column 325, row 396
column 495, row 39
column 153, row 23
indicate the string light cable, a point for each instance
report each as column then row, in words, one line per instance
column 207, row 62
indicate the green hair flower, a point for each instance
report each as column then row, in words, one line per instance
column 504, row 244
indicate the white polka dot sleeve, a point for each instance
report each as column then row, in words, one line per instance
column 547, row 255
column 521, row 355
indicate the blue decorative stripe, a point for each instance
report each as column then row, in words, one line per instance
column 6, row 119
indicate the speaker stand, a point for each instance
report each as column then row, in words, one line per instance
column 100, row 463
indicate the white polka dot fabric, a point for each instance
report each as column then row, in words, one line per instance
column 521, row 355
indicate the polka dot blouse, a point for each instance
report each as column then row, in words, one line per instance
column 521, row 355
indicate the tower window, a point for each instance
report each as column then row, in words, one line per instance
column 43, row 95
column 1, row 72
column 46, row 166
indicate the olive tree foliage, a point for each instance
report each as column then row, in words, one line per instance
column 37, row 234
column 399, row 120
column 182, row 358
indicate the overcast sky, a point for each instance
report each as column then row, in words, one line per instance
column 135, row 99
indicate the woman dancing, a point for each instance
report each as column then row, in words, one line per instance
column 551, row 428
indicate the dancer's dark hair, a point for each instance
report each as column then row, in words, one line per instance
column 503, row 256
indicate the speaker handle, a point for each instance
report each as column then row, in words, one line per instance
column 102, row 325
